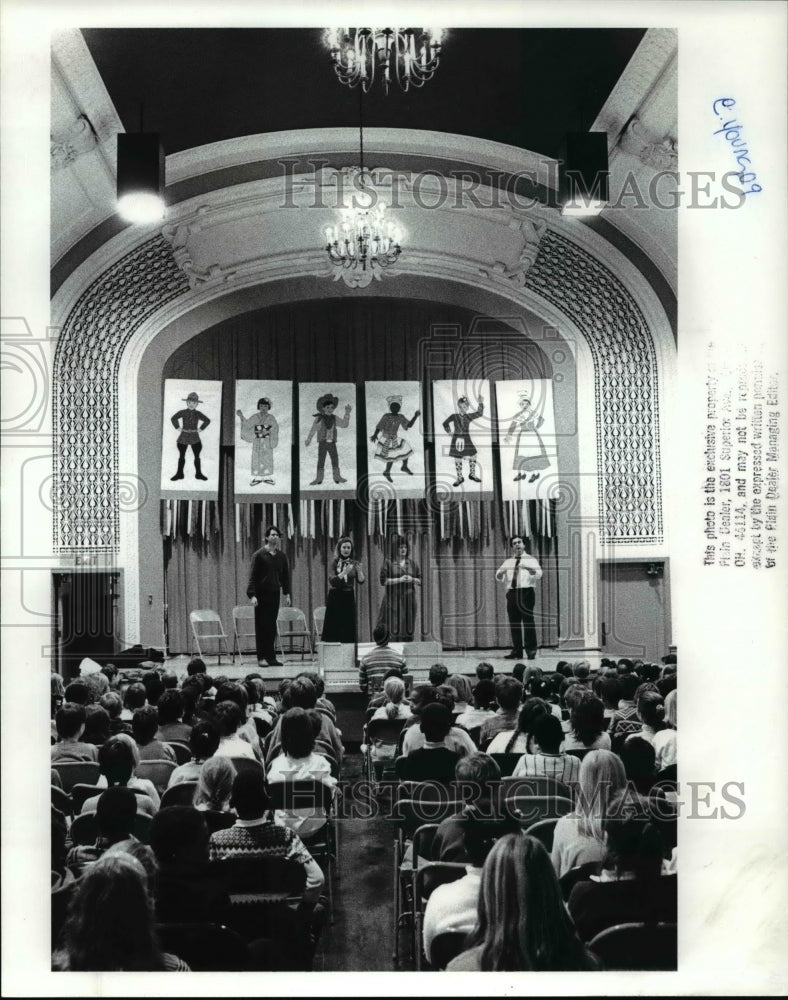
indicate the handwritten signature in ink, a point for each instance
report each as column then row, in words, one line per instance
column 732, row 133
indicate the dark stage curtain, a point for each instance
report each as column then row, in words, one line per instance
column 461, row 603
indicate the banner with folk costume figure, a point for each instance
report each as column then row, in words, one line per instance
column 191, row 424
column 327, row 440
column 462, row 424
column 526, row 438
column 395, row 441
column 263, row 441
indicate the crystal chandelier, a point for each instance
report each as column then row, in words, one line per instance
column 408, row 55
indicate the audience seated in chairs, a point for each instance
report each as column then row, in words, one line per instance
column 438, row 674
column 651, row 712
column 395, row 706
column 117, row 759
column 70, row 724
column 586, row 721
column 380, row 660
column 546, row 760
column 433, row 760
column 115, row 811
column 228, row 719
column 454, row 907
column 630, row 886
column 112, row 703
column 624, row 721
column 664, row 741
column 172, row 728
column 299, row 762
column 508, row 693
column 424, row 695
column 518, row 740
column 78, row 692
column 301, row 693
column 144, row 725
column 322, row 704
column 186, row 892
column 522, row 924
column 134, row 697
column 213, row 791
column 203, row 743
column 463, row 693
column 96, row 725
column 638, row 757
column 485, row 671
column 579, row 836
column 110, row 925
column 232, row 691
column 483, row 701
column 260, row 706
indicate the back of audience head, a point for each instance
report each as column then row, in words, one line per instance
column 96, row 725
column 581, row 671
column 110, row 671
column 170, row 707
column 438, row 674
column 435, row 722
column 153, row 685
column 203, row 740
column 135, row 696
column 628, row 685
column 169, row 679
column 78, row 692
column 625, row 666
column 115, row 812
column 479, row 768
column 300, row 693
column 463, row 688
column 587, row 718
column 563, row 668
column 112, row 704
column 547, row 733
column 97, row 685
column 638, row 757
column 179, row 836
column 232, row 691
column 117, row 759
column 609, row 690
column 215, row 783
column 485, row 671
column 228, row 718
column 316, row 679
column 540, row 687
column 134, row 848
column 670, row 708
column 484, row 694
column 530, row 711
column 651, row 709
column 190, row 696
column 394, row 690
column 649, row 672
column 602, row 775
column 518, row 672
column 57, row 691
column 297, row 733
column 70, row 720
column 144, row 723
column 634, row 844
column 530, row 674
column 508, row 693
column 421, row 696
column 250, row 798
column 380, row 634
column 195, row 666
column 522, row 922
column 446, row 695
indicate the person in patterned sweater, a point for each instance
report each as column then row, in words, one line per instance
column 254, row 834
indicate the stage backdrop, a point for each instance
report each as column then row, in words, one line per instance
column 190, row 439
column 327, row 440
column 526, row 436
column 352, row 341
column 395, row 440
column 263, row 441
column 462, row 426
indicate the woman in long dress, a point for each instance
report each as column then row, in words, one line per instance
column 530, row 454
column 262, row 431
column 400, row 578
column 391, row 445
column 345, row 572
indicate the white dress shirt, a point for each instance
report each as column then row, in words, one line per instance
column 530, row 571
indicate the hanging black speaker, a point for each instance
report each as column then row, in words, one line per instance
column 140, row 173
column 583, row 175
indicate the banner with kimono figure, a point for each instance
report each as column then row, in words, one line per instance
column 462, row 425
column 327, row 440
column 191, row 422
column 395, row 440
column 526, row 437
column 263, row 441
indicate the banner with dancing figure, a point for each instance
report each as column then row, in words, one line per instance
column 263, row 441
column 395, row 445
column 463, row 439
column 526, row 437
column 191, row 422
column 327, row 440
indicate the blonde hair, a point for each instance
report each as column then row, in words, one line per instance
column 394, row 690
column 602, row 776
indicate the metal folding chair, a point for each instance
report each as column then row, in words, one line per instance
column 637, row 947
column 318, row 617
column 203, row 619
column 243, row 628
column 291, row 624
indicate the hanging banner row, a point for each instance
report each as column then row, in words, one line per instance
column 318, row 439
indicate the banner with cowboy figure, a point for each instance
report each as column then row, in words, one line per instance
column 395, row 440
column 263, row 441
column 462, row 424
column 526, row 437
column 327, row 440
column 191, row 422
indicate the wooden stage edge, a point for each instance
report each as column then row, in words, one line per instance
column 342, row 673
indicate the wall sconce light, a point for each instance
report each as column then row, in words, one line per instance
column 140, row 177
column 583, row 174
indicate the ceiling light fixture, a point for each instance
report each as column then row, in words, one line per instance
column 408, row 55
column 140, row 177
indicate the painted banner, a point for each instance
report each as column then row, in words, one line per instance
column 190, row 438
column 263, row 441
column 463, row 439
column 395, row 440
column 526, row 436
column 327, row 440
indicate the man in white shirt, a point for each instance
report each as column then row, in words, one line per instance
column 519, row 574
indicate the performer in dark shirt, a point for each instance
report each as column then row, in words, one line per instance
column 269, row 577
column 190, row 421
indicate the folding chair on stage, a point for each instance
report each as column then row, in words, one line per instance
column 243, row 628
column 318, row 617
column 291, row 624
column 201, row 622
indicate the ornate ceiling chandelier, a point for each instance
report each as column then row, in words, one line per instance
column 364, row 242
column 408, row 55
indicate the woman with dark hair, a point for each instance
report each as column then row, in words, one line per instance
column 228, row 718
column 400, row 577
column 586, row 723
column 299, row 762
column 110, row 925
column 519, row 740
column 344, row 573
column 96, row 725
column 651, row 712
column 522, row 924
column 203, row 743
column 630, row 886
